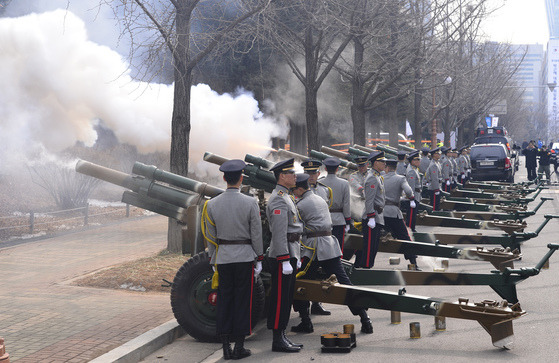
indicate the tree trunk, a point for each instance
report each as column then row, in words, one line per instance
column 311, row 93
column 393, row 123
column 446, row 128
column 357, row 102
column 418, row 99
column 180, row 122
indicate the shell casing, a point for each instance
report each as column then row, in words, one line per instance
column 415, row 330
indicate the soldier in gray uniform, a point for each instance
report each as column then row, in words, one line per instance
column 462, row 165
column 311, row 168
column 446, row 169
column 340, row 210
column 453, row 153
column 425, row 160
column 234, row 219
column 284, row 252
column 372, row 220
column 320, row 248
column 401, row 167
column 394, row 186
column 433, row 179
column 414, row 179
column 357, row 179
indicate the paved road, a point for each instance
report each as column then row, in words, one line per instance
column 536, row 333
column 44, row 319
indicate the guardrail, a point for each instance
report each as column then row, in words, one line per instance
column 32, row 225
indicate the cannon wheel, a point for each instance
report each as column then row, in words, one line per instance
column 194, row 301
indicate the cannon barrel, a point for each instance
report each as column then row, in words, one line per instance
column 257, row 178
column 337, row 153
column 357, row 152
column 365, row 151
column 321, row 156
column 387, row 149
column 152, row 172
column 290, row 154
column 406, row 148
column 258, row 161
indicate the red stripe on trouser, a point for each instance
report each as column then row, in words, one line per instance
column 278, row 301
column 343, row 239
column 251, row 292
column 369, row 249
column 411, row 215
column 434, row 200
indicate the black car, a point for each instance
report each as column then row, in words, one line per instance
column 491, row 162
column 497, row 135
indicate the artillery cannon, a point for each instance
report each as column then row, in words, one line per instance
column 192, row 299
column 514, row 214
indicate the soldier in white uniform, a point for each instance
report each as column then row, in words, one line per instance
column 320, row 248
column 357, row 179
column 372, row 220
column 433, row 179
column 414, row 179
column 401, row 167
column 234, row 220
column 284, row 252
column 340, row 209
column 446, row 168
column 453, row 153
column 394, row 186
column 312, row 169
column 462, row 165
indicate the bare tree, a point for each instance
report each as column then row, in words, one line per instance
column 188, row 30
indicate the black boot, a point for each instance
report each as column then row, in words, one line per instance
column 239, row 352
column 366, row 325
column 281, row 345
column 297, row 345
column 318, row 309
column 305, row 326
column 227, row 352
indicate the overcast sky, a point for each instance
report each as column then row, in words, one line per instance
column 518, row 22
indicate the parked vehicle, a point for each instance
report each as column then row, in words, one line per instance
column 492, row 162
column 498, row 135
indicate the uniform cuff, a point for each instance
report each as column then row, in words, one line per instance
column 260, row 258
column 371, row 215
column 347, row 220
column 283, row 257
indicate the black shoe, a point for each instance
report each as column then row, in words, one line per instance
column 281, row 345
column 297, row 345
column 239, row 352
column 227, row 352
column 318, row 309
column 366, row 326
column 305, row 326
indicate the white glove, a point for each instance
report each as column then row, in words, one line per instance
column 427, row 184
column 346, row 228
column 448, row 182
column 257, row 268
column 412, row 203
column 463, row 176
column 469, row 170
column 286, row 268
column 213, row 268
column 437, row 192
column 371, row 223
column 298, row 264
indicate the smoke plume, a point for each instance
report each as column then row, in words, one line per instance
column 57, row 84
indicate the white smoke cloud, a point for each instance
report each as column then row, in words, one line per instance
column 56, row 84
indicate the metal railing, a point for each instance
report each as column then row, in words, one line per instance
column 32, row 224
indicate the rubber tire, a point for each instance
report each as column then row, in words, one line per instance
column 195, row 269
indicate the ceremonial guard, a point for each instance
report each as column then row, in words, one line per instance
column 394, row 186
column 414, row 179
column 425, row 160
column 340, row 210
column 372, row 220
column 357, row 179
column 453, row 155
column 233, row 219
column 433, row 179
column 284, row 252
column 446, row 169
column 320, row 248
column 462, row 162
column 469, row 175
column 312, row 169
column 401, row 167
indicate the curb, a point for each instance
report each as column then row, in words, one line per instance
column 142, row 346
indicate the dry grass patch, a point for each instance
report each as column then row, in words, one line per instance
column 145, row 274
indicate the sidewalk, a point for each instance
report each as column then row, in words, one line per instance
column 45, row 319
